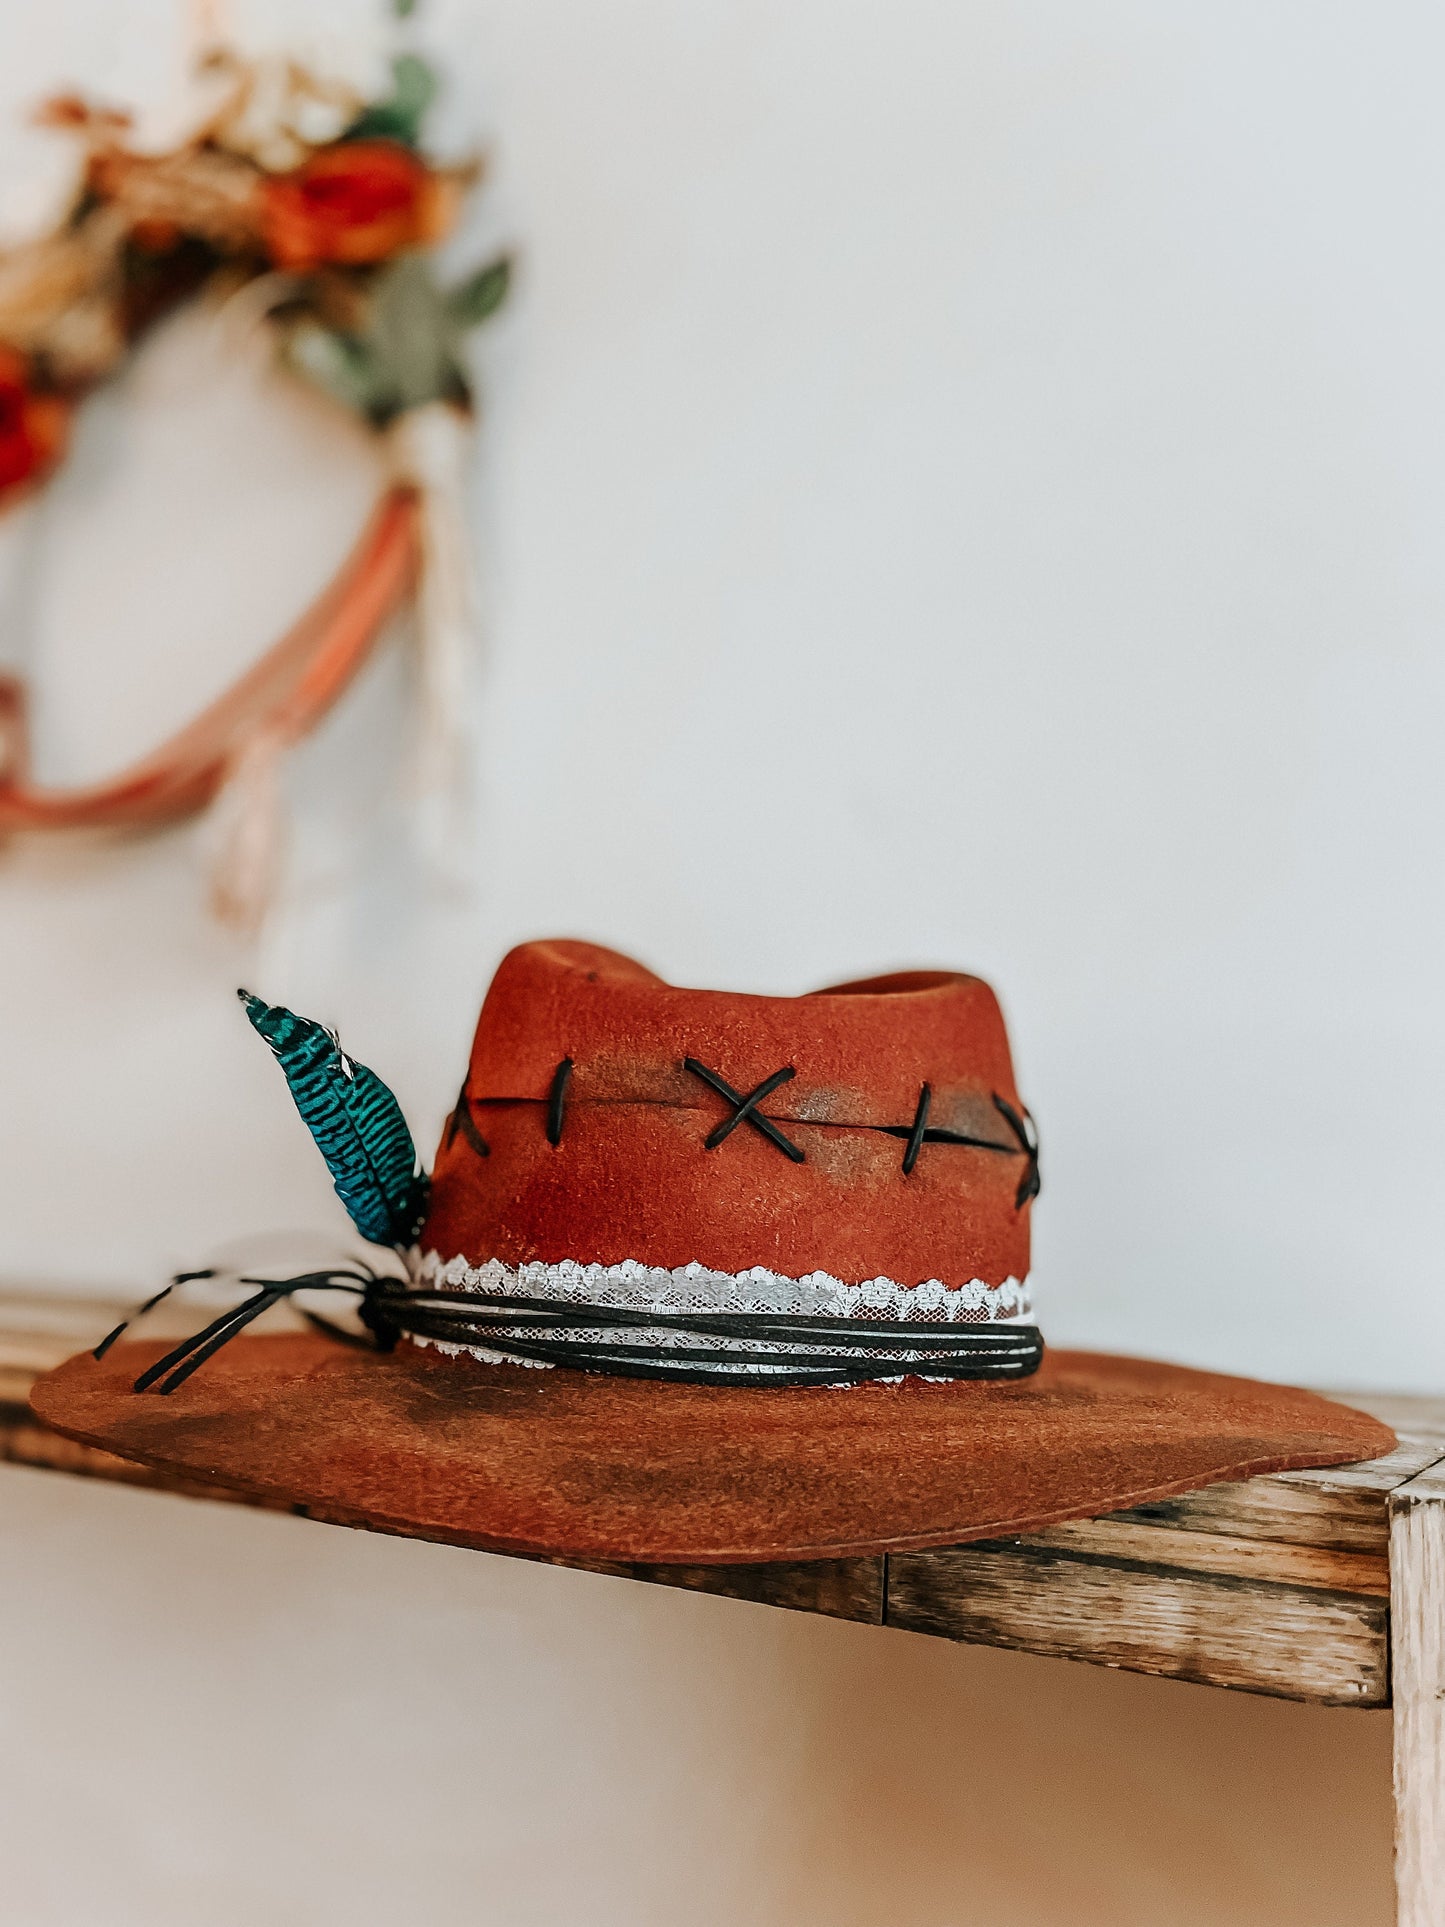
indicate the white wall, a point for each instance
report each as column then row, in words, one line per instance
column 960, row 484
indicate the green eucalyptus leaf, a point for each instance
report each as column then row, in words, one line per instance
column 481, row 294
column 407, row 350
column 413, row 89
column 409, row 332
column 338, row 363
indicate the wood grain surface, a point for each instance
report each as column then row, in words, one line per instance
column 1417, row 1646
column 1218, row 1628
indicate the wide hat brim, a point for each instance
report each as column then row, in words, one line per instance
column 575, row 1465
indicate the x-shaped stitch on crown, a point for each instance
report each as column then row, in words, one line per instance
column 746, row 1108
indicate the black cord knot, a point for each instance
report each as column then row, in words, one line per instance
column 373, row 1313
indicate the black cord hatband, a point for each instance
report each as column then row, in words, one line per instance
column 748, row 1348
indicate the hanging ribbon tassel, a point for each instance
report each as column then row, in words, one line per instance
column 249, row 832
column 428, row 447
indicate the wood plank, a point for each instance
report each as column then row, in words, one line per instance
column 1344, row 1507
column 1417, row 1645
column 1121, row 1535
column 1276, row 1514
column 838, row 1588
column 1413, row 1452
column 1293, row 1642
column 1425, row 1487
column 1278, row 1584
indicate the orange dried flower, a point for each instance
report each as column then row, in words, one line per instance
column 32, row 425
column 354, row 203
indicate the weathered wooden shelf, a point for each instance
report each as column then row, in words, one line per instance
column 1323, row 1586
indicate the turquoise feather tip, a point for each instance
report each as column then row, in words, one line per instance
column 356, row 1122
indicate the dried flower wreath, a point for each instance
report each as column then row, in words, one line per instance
column 322, row 207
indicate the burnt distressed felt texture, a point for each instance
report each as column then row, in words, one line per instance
column 568, row 1464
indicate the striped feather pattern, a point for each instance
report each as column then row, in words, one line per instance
column 355, row 1120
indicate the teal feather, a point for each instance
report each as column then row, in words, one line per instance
column 356, row 1122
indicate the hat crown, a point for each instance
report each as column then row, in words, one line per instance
column 608, row 1116
column 860, row 1051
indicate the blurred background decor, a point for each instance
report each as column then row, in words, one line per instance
column 292, row 202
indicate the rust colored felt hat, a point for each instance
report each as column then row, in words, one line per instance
column 698, row 1277
column 862, row 1148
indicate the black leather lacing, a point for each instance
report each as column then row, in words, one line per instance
column 745, row 1109
column 462, row 1120
column 557, row 1100
column 1023, row 1128
column 915, row 1135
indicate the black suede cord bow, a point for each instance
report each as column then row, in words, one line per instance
column 595, row 1338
